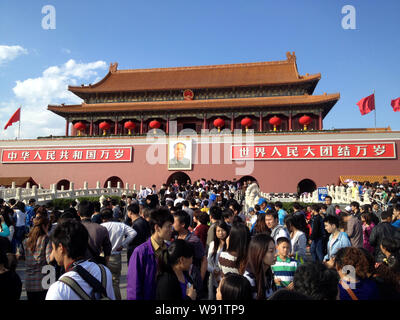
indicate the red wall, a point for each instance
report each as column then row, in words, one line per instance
column 273, row 176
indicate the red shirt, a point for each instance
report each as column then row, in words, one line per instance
column 201, row 232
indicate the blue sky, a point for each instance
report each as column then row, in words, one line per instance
column 138, row 34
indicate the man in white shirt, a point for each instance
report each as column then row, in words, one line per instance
column 272, row 222
column 69, row 242
column 120, row 236
column 143, row 193
column 179, row 199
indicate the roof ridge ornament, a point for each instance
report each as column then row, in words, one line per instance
column 113, row 67
column 291, row 56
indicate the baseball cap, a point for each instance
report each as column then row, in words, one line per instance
column 261, row 201
column 213, row 197
column 251, row 209
column 348, row 209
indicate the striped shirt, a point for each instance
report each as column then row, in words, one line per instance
column 34, row 262
column 284, row 270
column 227, row 263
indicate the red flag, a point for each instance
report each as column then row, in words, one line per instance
column 14, row 118
column 367, row 104
column 396, row 104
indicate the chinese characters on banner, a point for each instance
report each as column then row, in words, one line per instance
column 98, row 154
column 314, row 151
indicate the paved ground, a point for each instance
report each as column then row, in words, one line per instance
column 21, row 273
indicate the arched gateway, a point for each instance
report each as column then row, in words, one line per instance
column 180, row 176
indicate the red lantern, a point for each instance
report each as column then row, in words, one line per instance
column 130, row 126
column 246, row 122
column 80, row 126
column 275, row 121
column 219, row 123
column 155, row 125
column 305, row 121
column 104, row 126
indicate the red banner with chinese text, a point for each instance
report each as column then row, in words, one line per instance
column 70, row 155
column 314, row 151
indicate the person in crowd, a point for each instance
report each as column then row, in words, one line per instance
column 141, row 275
column 318, row 234
column 390, row 248
column 53, row 218
column 298, row 209
column 10, row 282
column 353, row 268
column 173, row 280
column 140, row 225
column 215, row 217
column 315, row 280
column 355, row 209
column 37, row 254
column 198, row 271
column 228, row 216
column 234, row 287
column 272, row 223
column 330, row 210
column 259, row 226
column 296, row 225
column 69, row 246
column 30, row 213
column 20, row 228
column 337, row 239
column 185, row 207
column 218, row 245
column 120, row 236
column 4, row 230
column 202, row 219
column 354, row 228
column 376, row 210
column 99, row 239
column 6, row 213
column 396, row 215
column 281, row 212
column 383, row 230
column 285, row 266
column 367, row 226
column 96, row 216
column 233, row 260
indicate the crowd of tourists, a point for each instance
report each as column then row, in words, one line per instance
column 194, row 242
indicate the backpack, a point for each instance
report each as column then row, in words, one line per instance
column 98, row 287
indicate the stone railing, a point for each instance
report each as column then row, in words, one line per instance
column 43, row 196
column 341, row 195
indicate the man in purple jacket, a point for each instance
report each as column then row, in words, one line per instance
column 142, row 268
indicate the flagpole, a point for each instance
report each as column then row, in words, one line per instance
column 375, row 110
column 19, row 124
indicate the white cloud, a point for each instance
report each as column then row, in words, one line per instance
column 35, row 94
column 66, row 51
column 8, row 53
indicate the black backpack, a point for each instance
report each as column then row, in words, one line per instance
column 99, row 288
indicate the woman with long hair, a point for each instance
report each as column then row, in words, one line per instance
column 297, row 227
column 233, row 260
column 234, row 287
column 217, row 245
column 173, row 280
column 261, row 255
column 37, row 254
column 259, row 225
column 367, row 226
